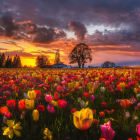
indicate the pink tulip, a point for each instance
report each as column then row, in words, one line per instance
column 59, row 89
column 51, row 108
column 107, row 131
column 92, row 98
column 8, row 115
column 138, row 129
column 48, row 98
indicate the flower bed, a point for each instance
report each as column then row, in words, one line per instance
column 69, row 104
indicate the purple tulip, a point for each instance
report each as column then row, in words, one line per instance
column 54, row 88
column 133, row 100
column 8, row 93
column 107, row 131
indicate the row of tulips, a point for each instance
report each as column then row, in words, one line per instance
column 62, row 104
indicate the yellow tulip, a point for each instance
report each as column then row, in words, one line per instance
column 83, row 119
column 90, row 85
column 96, row 78
column 77, row 83
column 135, row 90
column 70, row 85
column 32, row 94
column 122, row 85
column 54, row 103
column 35, row 115
column 48, row 134
column 29, row 104
column 89, row 75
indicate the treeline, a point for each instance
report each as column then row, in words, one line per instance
column 9, row 62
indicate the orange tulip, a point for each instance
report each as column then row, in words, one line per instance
column 3, row 110
column 102, row 114
column 125, row 103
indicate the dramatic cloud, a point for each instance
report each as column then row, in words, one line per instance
column 79, row 29
column 8, row 25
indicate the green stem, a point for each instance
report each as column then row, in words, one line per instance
column 86, row 135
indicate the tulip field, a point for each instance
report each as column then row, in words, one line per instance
column 70, row 104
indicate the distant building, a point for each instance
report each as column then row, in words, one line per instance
column 60, row 65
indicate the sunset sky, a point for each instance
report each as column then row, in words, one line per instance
column 111, row 28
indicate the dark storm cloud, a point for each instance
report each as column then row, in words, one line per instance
column 46, row 16
column 46, row 36
column 78, row 28
column 115, row 38
column 1, row 31
column 8, row 25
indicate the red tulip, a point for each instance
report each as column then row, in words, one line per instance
column 22, row 85
column 94, row 111
column 56, row 96
column 104, row 105
column 95, row 121
column 62, row 103
column 40, row 108
column 73, row 110
column 38, row 93
column 21, row 105
column 87, row 95
column 11, row 103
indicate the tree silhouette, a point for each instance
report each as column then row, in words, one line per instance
column 57, row 57
column 2, row 60
column 41, row 61
column 80, row 54
column 108, row 64
column 18, row 61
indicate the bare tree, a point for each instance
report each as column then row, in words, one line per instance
column 80, row 54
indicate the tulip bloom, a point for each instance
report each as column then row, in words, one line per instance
column 102, row 114
column 73, row 110
column 138, row 129
column 51, row 108
column 107, row 131
column 29, row 104
column 48, row 98
column 62, row 103
column 87, row 95
column 125, row 103
column 40, row 108
column 56, row 96
column 83, row 119
column 104, row 105
column 31, row 94
column 8, row 115
column 11, row 103
column 35, row 115
column 95, row 121
column 21, row 105
column 3, row 110
column 59, row 89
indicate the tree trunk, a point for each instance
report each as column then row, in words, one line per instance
column 83, row 65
